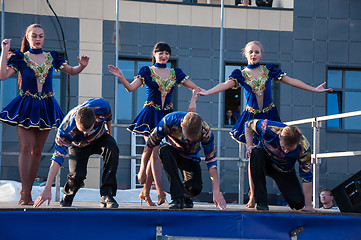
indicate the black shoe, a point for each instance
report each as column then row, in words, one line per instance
column 66, row 201
column 262, row 206
column 177, row 203
column 108, row 202
column 188, row 202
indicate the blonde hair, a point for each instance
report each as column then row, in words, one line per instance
column 192, row 125
column 248, row 44
column 291, row 135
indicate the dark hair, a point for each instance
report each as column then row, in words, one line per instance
column 291, row 135
column 85, row 116
column 159, row 47
column 25, row 46
column 326, row 190
column 192, row 125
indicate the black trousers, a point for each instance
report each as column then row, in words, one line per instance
column 287, row 182
column 78, row 161
column 192, row 175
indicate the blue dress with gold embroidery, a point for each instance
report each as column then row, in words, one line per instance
column 33, row 109
column 253, row 88
column 157, row 88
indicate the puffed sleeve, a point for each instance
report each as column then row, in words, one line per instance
column 274, row 72
column 236, row 76
column 58, row 61
column 143, row 73
column 181, row 77
column 15, row 60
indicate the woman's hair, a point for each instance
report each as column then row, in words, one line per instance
column 25, row 46
column 291, row 135
column 249, row 43
column 159, row 47
column 85, row 116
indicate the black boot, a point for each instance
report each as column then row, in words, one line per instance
column 262, row 206
column 66, row 201
column 108, row 202
column 188, row 202
column 177, row 203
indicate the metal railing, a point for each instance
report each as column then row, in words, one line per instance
column 316, row 156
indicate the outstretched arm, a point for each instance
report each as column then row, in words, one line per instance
column 83, row 62
column 299, row 84
column 218, row 88
column 5, row 72
column 46, row 194
column 192, row 105
column 130, row 87
column 218, row 198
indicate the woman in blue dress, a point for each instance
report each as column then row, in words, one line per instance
column 34, row 111
column 160, row 82
column 256, row 82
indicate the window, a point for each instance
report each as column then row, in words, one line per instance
column 135, row 100
column 346, row 84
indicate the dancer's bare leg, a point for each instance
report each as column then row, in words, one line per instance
column 144, row 195
column 157, row 174
column 251, row 202
column 31, row 142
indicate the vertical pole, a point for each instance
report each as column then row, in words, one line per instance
column 220, row 95
column 241, row 165
column 1, row 84
column 115, row 110
column 316, row 162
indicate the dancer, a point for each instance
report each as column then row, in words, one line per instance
column 160, row 82
column 182, row 134
column 280, row 146
column 256, row 82
column 35, row 110
column 85, row 130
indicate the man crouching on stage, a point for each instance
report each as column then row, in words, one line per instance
column 183, row 134
column 85, row 130
column 280, row 146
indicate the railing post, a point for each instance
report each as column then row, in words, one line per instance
column 316, row 125
column 241, row 164
column 57, row 186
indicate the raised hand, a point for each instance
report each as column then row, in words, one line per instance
column 115, row 71
column 5, row 44
column 321, row 88
column 83, row 60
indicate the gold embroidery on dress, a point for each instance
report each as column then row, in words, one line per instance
column 165, row 85
column 257, row 85
column 41, row 71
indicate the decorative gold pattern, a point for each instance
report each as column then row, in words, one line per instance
column 41, row 71
column 42, row 96
column 183, row 81
column 141, row 79
column 235, row 82
column 257, row 85
column 281, row 76
column 165, row 85
column 13, row 67
column 158, row 107
column 256, row 111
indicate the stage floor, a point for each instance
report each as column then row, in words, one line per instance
column 86, row 220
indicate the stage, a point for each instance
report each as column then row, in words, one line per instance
column 86, row 220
